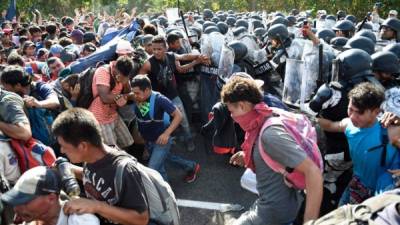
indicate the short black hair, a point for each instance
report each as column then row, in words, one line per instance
column 159, row 39
column 15, row 59
column 150, row 29
column 141, row 81
column 14, row 75
column 51, row 29
column 125, row 65
column 367, row 96
column 34, row 29
column 78, row 125
column 172, row 37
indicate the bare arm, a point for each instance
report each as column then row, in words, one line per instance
column 187, row 67
column 330, row 126
column 105, row 94
column 146, row 68
column 314, row 183
column 187, row 57
column 21, row 131
column 164, row 137
column 177, row 118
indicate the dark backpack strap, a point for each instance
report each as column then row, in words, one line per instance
column 112, row 79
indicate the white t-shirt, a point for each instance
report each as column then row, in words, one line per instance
column 75, row 219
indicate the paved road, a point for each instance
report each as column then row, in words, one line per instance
column 218, row 182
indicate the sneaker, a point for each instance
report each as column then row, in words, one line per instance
column 191, row 147
column 192, row 175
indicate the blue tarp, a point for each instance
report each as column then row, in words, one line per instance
column 106, row 51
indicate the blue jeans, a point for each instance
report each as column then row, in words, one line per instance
column 185, row 122
column 159, row 154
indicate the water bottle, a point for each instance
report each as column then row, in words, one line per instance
column 68, row 180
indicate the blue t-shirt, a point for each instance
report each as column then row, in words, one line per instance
column 367, row 162
column 151, row 129
column 42, row 91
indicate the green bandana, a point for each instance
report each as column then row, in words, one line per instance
column 144, row 108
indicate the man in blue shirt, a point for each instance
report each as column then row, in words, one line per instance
column 153, row 111
column 371, row 155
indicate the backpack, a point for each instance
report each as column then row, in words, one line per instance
column 362, row 214
column 166, row 117
column 32, row 153
column 41, row 120
column 86, row 97
column 299, row 127
column 163, row 209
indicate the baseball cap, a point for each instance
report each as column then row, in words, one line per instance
column 35, row 182
column 41, row 52
column 78, row 35
column 393, row 12
column 124, row 47
column 56, row 49
column 259, row 83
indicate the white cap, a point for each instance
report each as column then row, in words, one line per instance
column 124, row 47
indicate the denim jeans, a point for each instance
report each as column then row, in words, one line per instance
column 184, row 123
column 159, row 154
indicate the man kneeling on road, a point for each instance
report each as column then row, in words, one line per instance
column 277, row 202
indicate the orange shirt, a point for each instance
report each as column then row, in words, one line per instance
column 104, row 113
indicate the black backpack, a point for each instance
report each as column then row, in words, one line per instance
column 86, row 97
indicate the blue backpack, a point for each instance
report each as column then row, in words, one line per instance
column 166, row 117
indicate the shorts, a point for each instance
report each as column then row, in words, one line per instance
column 116, row 134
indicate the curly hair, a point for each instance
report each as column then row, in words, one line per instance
column 241, row 89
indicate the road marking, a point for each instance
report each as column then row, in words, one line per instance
column 223, row 207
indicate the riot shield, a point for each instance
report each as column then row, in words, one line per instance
column 217, row 40
column 335, row 70
column 205, row 46
column 292, row 84
column 252, row 47
column 310, row 73
column 392, row 100
column 226, row 62
column 296, row 48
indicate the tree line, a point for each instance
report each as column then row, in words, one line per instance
column 59, row 8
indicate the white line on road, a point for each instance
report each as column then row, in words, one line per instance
column 223, row 207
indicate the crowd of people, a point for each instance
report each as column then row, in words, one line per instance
column 99, row 89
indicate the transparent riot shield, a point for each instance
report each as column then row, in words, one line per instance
column 310, row 73
column 296, row 48
column 292, row 85
column 252, row 47
column 335, row 70
column 217, row 40
column 226, row 62
column 186, row 45
column 205, row 46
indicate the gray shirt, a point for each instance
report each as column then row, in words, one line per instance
column 277, row 203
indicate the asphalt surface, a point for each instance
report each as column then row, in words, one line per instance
column 218, row 182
